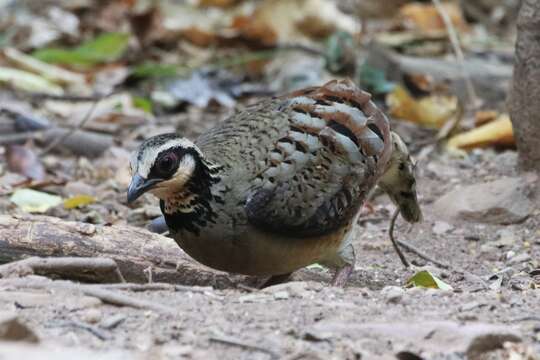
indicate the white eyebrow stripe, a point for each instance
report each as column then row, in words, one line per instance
column 149, row 155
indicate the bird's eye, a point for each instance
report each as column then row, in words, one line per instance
column 167, row 164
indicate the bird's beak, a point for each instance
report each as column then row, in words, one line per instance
column 139, row 186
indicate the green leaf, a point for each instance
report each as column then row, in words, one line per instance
column 315, row 266
column 78, row 201
column 104, row 48
column 426, row 279
column 143, row 103
column 34, row 201
column 339, row 53
column 374, row 80
column 152, row 69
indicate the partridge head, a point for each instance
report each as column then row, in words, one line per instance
column 399, row 181
column 278, row 186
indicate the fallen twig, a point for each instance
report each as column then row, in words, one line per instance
column 69, row 97
column 454, row 41
column 80, row 142
column 134, row 249
column 79, row 126
column 410, row 247
column 155, row 287
column 394, row 243
column 84, row 326
column 75, row 267
column 107, row 296
column 239, row 343
column 17, row 138
column 526, row 318
column 421, row 254
column 114, row 298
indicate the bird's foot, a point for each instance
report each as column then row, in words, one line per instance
column 342, row 275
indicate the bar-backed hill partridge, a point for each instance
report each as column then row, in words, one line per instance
column 278, row 186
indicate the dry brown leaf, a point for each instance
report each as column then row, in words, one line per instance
column 253, row 30
column 262, row 24
column 294, row 20
column 199, row 36
column 497, row 132
column 24, row 161
column 425, row 17
column 432, row 111
column 422, row 82
column 218, row 3
column 484, row 116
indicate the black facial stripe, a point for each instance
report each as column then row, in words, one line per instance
column 180, row 152
column 202, row 212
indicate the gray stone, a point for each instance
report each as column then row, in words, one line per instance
column 518, row 259
column 392, row 294
column 503, row 201
column 506, row 237
column 441, row 227
column 91, row 316
column 281, row 295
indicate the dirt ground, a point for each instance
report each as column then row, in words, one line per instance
column 495, row 300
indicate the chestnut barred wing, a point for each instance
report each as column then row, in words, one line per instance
column 319, row 174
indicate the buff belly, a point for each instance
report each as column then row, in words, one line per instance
column 262, row 253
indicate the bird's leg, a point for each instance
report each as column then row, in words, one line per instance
column 342, row 275
column 275, row 280
column 346, row 266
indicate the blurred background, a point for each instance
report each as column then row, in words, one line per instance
column 83, row 82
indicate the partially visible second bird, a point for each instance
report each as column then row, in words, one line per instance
column 278, row 186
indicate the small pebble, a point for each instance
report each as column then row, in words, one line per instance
column 517, row 259
column 91, row 316
column 441, row 227
column 251, row 298
column 281, row 295
column 392, row 294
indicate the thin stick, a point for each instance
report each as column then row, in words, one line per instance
column 394, row 243
column 526, row 318
column 107, row 296
column 68, row 97
column 410, row 247
column 81, row 325
column 235, row 342
column 69, row 265
column 155, row 287
column 79, row 126
column 21, row 137
column 114, row 298
column 421, row 254
column 454, row 41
